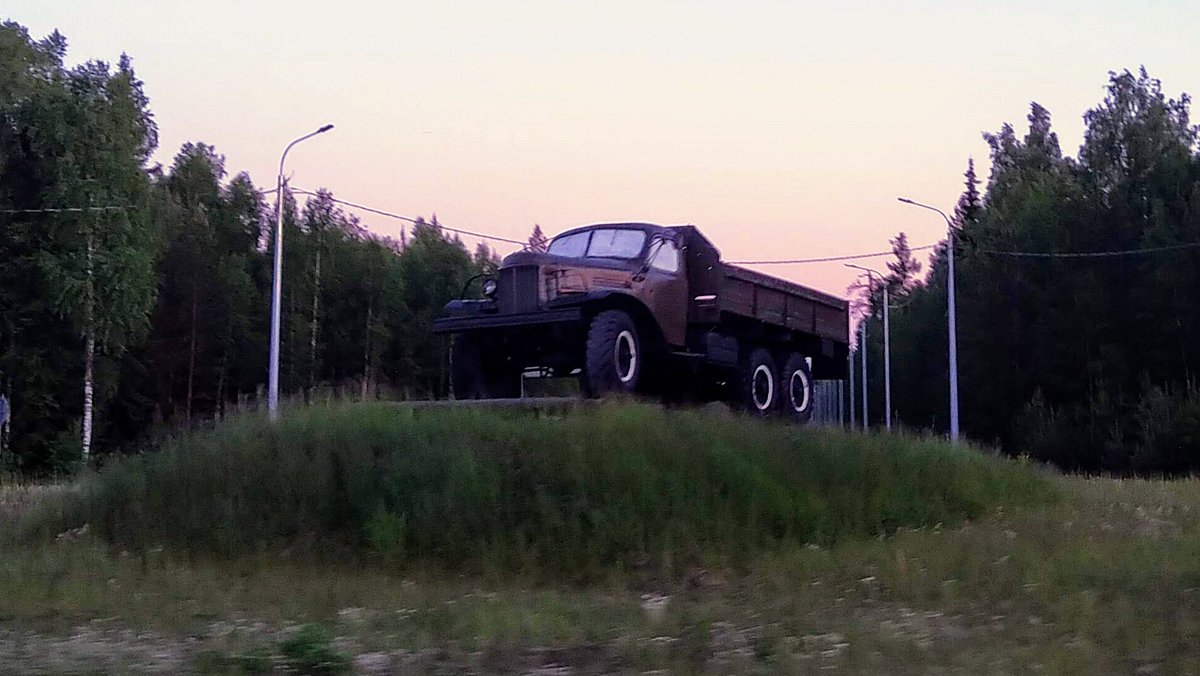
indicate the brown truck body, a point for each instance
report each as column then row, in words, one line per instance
column 691, row 312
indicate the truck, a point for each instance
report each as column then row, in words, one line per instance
column 637, row 308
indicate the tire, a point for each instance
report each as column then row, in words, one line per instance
column 479, row 373
column 796, row 382
column 615, row 359
column 757, row 385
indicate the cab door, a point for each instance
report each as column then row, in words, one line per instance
column 663, row 287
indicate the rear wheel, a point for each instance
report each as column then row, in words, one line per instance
column 757, row 385
column 477, row 372
column 614, row 360
column 797, row 384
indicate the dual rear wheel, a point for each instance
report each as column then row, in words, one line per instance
column 762, row 389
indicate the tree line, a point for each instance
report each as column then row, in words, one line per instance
column 134, row 297
column 1086, row 361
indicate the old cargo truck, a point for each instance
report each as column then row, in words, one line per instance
column 634, row 307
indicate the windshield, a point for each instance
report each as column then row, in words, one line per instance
column 616, row 243
column 570, row 246
column 624, row 243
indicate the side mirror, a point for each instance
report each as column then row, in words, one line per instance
column 650, row 254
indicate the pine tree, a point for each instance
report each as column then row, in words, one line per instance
column 969, row 205
column 538, row 240
column 905, row 270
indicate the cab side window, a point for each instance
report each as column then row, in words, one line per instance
column 666, row 258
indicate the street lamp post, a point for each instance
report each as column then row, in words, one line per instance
column 850, row 370
column 887, row 346
column 277, row 282
column 951, row 326
column 862, row 350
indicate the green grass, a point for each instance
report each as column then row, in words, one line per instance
column 1014, row 569
column 621, row 487
column 1104, row 580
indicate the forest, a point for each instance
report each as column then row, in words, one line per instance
column 134, row 296
column 1078, row 288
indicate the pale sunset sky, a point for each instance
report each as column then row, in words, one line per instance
column 782, row 129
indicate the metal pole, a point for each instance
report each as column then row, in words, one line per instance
column 863, row 350
column 277, row 282
column 951, row 326
column 841, row 411
column 850, row 399
column 952, row 330
column 887, row 347
column 887, row 363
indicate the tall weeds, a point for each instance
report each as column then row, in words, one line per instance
column 622, row 485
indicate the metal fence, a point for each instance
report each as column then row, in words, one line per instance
column 828, row 402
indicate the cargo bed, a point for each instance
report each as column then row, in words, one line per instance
column 753, row 295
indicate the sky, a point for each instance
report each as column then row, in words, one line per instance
column 782, row 128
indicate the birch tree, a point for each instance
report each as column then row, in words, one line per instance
column 97, row 132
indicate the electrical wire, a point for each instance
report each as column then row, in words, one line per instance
column 388, row 214
column 63, row 210
column 990, row 252
column 1089, row 254
column 793, row 261
column 828, row 259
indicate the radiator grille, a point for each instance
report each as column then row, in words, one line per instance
column 518, row 289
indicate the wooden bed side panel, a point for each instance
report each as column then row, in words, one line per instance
column 770, row 306
column 832, row 323
column 737, row 297
column 751, row 294
column 800, row 314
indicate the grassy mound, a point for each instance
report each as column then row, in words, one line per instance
column 617, row 486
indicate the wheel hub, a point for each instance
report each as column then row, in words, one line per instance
column 762, row 387
column 799, row 389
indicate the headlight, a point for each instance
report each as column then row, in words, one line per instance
column 489, row 288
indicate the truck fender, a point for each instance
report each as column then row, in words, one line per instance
column 595, row 302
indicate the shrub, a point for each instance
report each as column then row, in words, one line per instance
column 311, row 651
column 1156, row 433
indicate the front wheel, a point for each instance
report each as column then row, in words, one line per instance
column 614, row 359
column 797, row 382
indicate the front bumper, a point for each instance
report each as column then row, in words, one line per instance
column 473, row 315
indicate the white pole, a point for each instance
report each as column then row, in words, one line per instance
column 887, row 344
column 850, row 370
column 276, row 289
column 951, row 326
column 952, row 329
column 887, row 362
column 862, row 348
column 277, row 282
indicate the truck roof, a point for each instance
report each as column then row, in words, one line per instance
column 733, row 270
column 648, row 227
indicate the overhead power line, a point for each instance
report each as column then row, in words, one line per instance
column 388, row 214
column 786, row 261
column 990, row 252
column 1090, row 254
column 828, row 259
column 63, row 210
